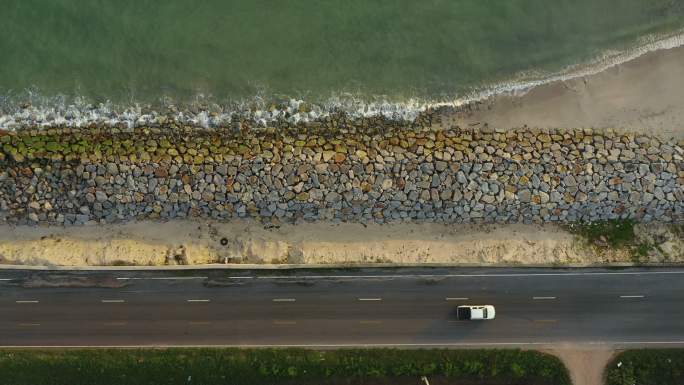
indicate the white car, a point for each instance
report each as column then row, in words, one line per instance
column 475, row 312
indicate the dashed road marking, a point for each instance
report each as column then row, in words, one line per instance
column 370, row 322
column 26, row 301
column 26, row 324
column 356, row 345
column 241, row 277
column 456, row 298
column 631, row 296
column 543, row 298
column 199, row 323
column 158, row 278
column 199, row 300
column 284, row 300
column 370, row 299
column 113, row 301
column 502, row 275
column 284, row 322
column 114, row 324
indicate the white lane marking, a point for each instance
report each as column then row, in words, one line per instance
column 631, row 296
column 199, row 323
column 113, row 301
column 543, row 298
column 27, row 301
column 199, row 300
column 284, row 300
column 519, row 343
column 456, row 298
column 114, row 324
column 241, row 277
column 370, row 322
column 284, row 322
column 157, row 278
column 29, row 324
column 370, row 299
column 5, row 279
column 504, row 275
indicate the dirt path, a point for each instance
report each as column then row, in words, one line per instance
column 586, row 365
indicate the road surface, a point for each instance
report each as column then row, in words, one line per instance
column 370, row 307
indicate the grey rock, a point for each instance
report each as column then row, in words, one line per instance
column 112, row 169
column 525, row 196
column 333, row 197
column 570, row 181
column 101, row 196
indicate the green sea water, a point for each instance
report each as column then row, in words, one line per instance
column 142, row 50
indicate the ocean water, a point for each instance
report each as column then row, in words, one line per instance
column 358, row 53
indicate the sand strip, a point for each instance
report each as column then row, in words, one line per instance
column 196, row 243
column 643, row 95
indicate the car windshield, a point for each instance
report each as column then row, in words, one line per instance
column 484, row 312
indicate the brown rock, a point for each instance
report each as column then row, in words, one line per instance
column 161, row 172
column 340, row 157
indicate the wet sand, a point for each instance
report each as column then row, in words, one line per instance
column 643, row 95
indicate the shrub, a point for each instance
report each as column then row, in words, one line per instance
column 647, row 367
column 274, row 366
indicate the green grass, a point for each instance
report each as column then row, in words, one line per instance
column 647, row 367
column 679, row 230
column 274, row 366
column 616, row 234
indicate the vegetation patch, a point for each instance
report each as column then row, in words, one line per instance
column 647, row 367
column 616, row 235
column 278, row 366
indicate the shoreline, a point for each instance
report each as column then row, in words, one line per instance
column 639, row 96
column 490, row 105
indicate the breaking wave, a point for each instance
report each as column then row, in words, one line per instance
column 34, row 110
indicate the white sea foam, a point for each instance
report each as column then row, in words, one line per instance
column 55, row 111
column 607, row 60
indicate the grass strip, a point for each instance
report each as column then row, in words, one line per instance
column 647, row 367
column 614, row 234
column 277, row 366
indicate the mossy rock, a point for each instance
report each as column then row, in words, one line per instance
column 18, row 157
column 243, row 150
column 38, row 145
column 53, row 147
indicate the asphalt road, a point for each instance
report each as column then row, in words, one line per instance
column 404, row 307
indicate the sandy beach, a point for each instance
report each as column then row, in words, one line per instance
column 643, row 95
